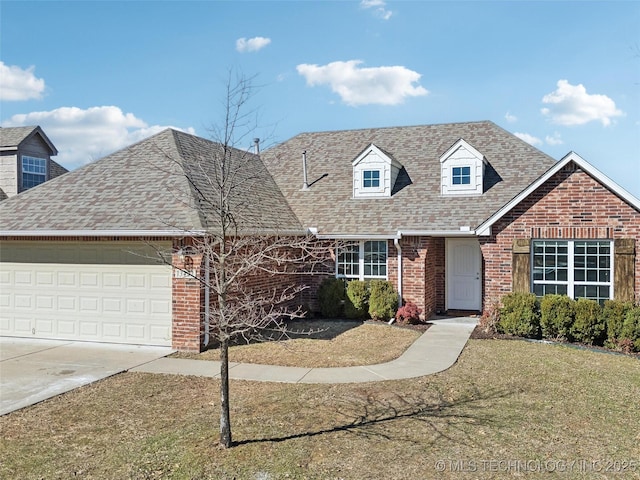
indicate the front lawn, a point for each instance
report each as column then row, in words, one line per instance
column 333, row 343
column 506, row 407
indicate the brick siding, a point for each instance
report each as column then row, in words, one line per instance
column 571, row 205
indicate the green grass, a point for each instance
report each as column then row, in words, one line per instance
column 504, row 401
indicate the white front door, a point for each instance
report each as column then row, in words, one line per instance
column 463, row 273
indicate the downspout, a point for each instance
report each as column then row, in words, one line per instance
column 207, row 298
column 396, row 242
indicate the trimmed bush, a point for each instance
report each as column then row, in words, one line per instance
column 588, row 326
column 614, row 314
column 409, row 313
column 383, row 300
column 357, row 302
column 556, row 316
column 331, row 297
column 631, row 329
column 520, row 315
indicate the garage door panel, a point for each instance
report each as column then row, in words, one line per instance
column 23, row 278
column 128, row 302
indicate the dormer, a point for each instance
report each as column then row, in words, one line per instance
column 462, row 170
column 374, row 173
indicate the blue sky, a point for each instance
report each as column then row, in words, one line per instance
column 98, row 76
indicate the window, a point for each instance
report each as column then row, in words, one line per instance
column 371, row 179
column 461, row 176
column 577, row 268
column 34, row 171
column 362, row 260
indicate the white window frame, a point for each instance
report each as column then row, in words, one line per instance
column 23, row 171
column 361, row 261
column 371, row 187
column 571, row 283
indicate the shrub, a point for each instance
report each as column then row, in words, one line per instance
column 520, row 315
column 331, row 297
column 409, row 313
column 614, row 313
column 490, row 316
column 588, row 325
column 631, row 328
column 556, row 316
column 383, row 300
column 357, row 302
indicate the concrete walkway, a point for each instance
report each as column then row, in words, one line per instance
column 436, row 350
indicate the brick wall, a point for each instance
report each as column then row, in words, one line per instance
column 570, row 205
column 422, row 272
column 187, row 330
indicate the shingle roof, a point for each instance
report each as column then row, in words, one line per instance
column 144, row 188
column 416, row 203
column 12, row 137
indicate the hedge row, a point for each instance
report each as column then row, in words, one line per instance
column 615, row 325
column 376, row 299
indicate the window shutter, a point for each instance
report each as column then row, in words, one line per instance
column 521, row 265
column 623, row 275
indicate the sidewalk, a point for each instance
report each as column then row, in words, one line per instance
column 436, row 350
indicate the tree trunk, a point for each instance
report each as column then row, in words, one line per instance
column 225, row 418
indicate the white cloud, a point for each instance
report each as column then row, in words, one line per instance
column 530, row 139
column 378, row 8
column 554, row 139
column 82, row 136
column 510, row 118
column 251, row 44
column 364, row 86
column 572, row 105
column 19, row 84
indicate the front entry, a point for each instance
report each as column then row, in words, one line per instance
column 463, row 274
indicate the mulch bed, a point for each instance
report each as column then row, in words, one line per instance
column 480, row 334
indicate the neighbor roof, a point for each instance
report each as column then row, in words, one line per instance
column 143, row 190
column 416, row 203
column 12, row 137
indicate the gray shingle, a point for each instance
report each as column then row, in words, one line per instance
column 329, row 204
column 144, row 188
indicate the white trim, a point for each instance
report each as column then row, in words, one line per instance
column 438, row 233
column 461, row 143
column 347, row 236
column 484, row 229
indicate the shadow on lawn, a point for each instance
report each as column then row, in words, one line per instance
column 374, row 415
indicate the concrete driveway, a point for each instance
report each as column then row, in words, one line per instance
column 34, row 370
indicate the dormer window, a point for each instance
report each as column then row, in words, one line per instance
column 374, row 173
column 461, row 175
column 371, row 179
column 462, row 170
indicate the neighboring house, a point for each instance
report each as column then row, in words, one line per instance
column 25, row 160
column 454, row 215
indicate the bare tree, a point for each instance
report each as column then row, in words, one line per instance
column 253, row 258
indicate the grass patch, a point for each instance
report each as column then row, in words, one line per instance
column 502, row 401
column 334, row 344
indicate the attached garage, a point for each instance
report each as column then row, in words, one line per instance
column 114, row 292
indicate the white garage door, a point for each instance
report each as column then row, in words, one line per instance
column 104, row 292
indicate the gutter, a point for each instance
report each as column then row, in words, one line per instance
column 396, row 242
column 97, row 233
